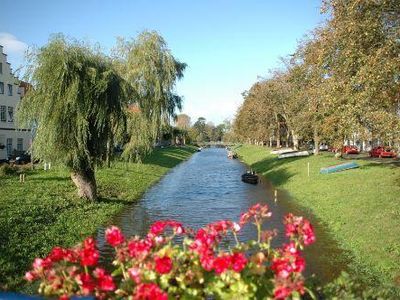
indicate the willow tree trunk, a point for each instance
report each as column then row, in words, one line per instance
column 295, row 140
column 278, row 140
column 287, row 139
column 316, row 142
column 85, row 182
column 108, row 154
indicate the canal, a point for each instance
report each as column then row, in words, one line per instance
column 207, row 188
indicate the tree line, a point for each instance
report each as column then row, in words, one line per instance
column 83, row 102
column 342, row 82
column 201, row 131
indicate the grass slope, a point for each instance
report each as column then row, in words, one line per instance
column 45, row 211
column 360, row 206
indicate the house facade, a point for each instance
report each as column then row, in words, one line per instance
column 12, row 139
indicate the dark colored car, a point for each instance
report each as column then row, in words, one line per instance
column 381, row 151
column 350, row 150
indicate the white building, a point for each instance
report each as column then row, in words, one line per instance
column 12, row 140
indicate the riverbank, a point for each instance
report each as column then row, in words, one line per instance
column 360, row 207
column 45, row 211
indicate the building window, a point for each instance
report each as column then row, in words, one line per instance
column 1, row 68
column 1, row 87
column 10, row 114
column 9, row 89
column 9, row 147
column 3, row 117
column 20, row 144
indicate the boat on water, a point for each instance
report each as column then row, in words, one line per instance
column 250, row 177
column 232, row 155
column 199, row 149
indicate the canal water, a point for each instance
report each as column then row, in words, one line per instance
column 208, row 188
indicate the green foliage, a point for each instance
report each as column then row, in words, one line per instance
column 346, row 288
column 77, row 101
column 7, row 170
column 150, row 68
column 44, row 211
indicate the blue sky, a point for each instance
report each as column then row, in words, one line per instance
column 226, row 43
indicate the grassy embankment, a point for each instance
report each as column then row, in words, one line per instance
column 45, row 211
column 360, row 207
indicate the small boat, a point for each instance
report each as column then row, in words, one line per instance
column 281, row 151
column 232, row 155
column 199, row 149
column 338, row 168
column 294, row 154
column 250, row 177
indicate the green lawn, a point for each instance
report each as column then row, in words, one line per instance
column 45, row 211
column 360, row 207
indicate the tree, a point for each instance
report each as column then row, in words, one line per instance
column 150, row 68
column 78, row 101
column 183, row 121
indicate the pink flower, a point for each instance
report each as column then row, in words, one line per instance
column 207, row 261
column 163, row 264
column 30, row 276
column 149, row 291
column 299, row 228
column 134, row 273
column 114, row 236
column 139, row 248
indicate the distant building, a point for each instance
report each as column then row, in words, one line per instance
column 12, row 140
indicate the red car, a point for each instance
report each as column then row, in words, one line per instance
column 350, row 150
column 382, row 152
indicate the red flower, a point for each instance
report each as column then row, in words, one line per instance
column 239, row 261
column 222, row 263
column 158, row 227
column 104, row 281
column 149, row 291
column 281, row 292
column 57, row 254
column 86, row 282
column 89, row 257
column 114, row 236
column 163, row 264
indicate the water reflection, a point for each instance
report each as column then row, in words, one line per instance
column 207, row 188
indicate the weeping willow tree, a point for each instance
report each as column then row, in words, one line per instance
column 78, row 102
column 151, row 69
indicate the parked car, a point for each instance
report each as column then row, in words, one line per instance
column 381, row 151
column 350, row 150
column 20, row 158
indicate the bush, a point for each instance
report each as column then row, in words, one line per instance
column 7, row 170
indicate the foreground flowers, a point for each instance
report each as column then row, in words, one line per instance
column 154, row 267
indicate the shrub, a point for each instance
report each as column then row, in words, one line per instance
column 7, row 170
